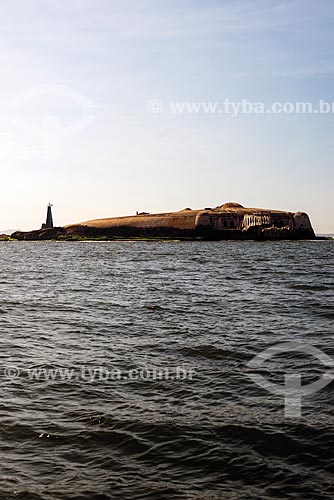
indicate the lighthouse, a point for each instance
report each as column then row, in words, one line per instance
column 49, row 219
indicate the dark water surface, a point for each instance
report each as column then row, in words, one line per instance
column 207, row 306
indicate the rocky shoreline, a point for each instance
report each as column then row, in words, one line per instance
column 63, row 234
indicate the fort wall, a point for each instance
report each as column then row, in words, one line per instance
column 228, row 220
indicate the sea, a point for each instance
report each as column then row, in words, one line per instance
column 162, row 370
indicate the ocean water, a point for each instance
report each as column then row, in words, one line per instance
column 73, row 314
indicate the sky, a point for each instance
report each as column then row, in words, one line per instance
column 79, row 81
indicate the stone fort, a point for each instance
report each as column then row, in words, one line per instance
column 228, row 221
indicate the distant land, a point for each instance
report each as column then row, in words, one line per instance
column 8, row 231
column 230, row 221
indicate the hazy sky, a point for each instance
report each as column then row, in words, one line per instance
column 93, row 65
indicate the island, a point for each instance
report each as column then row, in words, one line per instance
column 230, row 221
